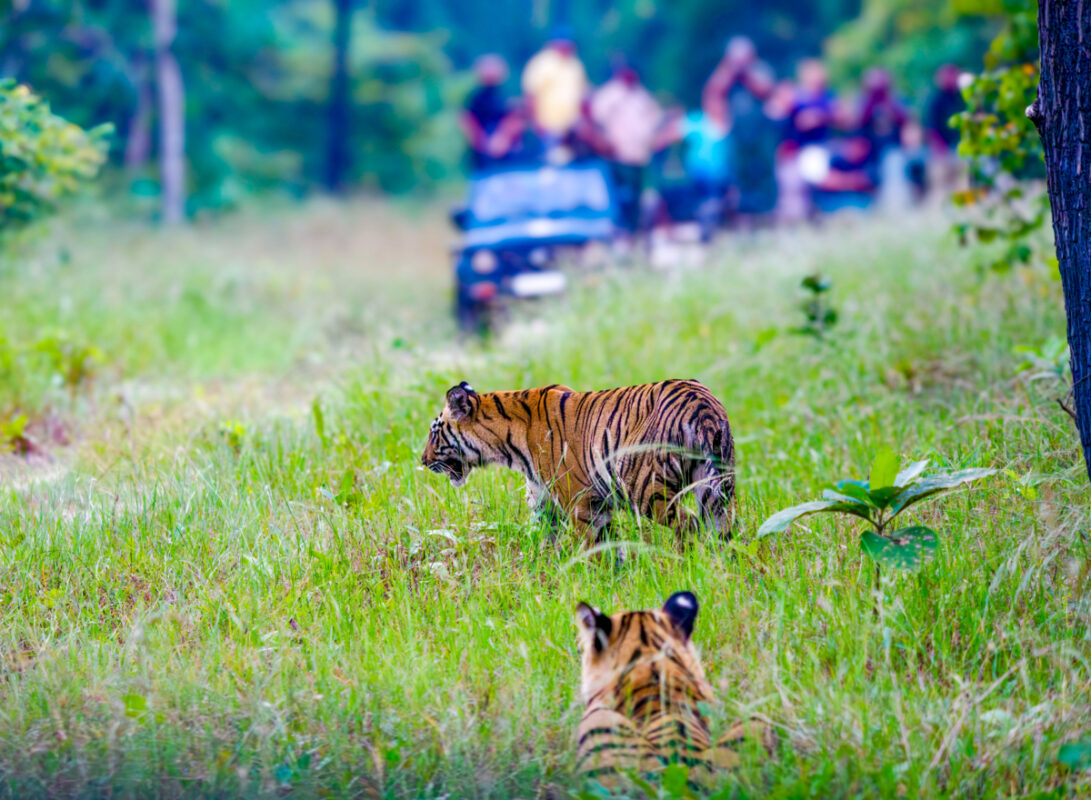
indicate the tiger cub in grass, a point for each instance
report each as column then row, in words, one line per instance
column 643, row 687
column 584, row 454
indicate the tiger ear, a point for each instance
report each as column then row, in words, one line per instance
column 460, row 399
column 681, row 608
column 594, row 626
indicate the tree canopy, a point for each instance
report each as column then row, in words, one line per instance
column 257, row 73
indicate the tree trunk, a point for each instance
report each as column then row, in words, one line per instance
column 172, row 119
column 339, row 111
column 138, row 139
column 1062, row 114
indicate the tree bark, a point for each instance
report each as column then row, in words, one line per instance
column 1062, row 114
column 172, row 119
column 138, row 139
column 339, row 110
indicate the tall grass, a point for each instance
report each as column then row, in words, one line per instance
column 257, row 591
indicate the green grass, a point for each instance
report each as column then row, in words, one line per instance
column 216, row 591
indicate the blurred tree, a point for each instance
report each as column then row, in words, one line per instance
column 675, row 45
column 337, row 156
column 401, row 126
column 249, row 105
column 1060, row 112
column 912, row 39
column 43, row 157
column 172, row 115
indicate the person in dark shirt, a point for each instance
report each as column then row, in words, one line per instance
column 811, row 116
column 944, row 103
column 882, row 116
column 489, row 121
column 946, row 171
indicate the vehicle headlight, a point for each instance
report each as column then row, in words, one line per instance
column 539, row 256
column 484, row 261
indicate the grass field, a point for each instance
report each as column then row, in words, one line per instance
column 224, row 572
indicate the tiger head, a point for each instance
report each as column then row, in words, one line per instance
column 447, row 451
column 623, row 652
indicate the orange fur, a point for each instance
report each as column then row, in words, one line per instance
column 588, row 453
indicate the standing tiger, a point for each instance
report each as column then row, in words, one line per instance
column 588, row 453
column 643, row 686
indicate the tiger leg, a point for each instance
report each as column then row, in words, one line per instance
column 669, row 513
column 590, row 518
column 545, row 510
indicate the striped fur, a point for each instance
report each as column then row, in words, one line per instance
column 643, row 684
column 585, row 454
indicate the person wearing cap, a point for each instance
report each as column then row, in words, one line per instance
column 555, row 84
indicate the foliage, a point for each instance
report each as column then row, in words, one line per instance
column 675, row 45
column 1076, row 755
column 1001, row 143
column 910, row 38
column 402, row 131
column 878, row 501
column 43, row 158
column 1049, row 361
column 820, row 316
column 256, row 75
column 35, row 368
column 13, row 434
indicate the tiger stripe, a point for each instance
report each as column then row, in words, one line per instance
column 587, row 454
column 642, row 684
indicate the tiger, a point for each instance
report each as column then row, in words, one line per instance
column 643, row 688
column 586, row 454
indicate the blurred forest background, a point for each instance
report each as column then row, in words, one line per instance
column 223, row 101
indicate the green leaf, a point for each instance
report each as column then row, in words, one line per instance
column 882, row 497
column 936, row 484
column 135, row 705
column 1075, row 755
column 884, row 469
column 676, row 780
column 911, row 473
column 319, row 420
column 781, row 520
column 855, row 490
column 905, row 549
column 816, row 283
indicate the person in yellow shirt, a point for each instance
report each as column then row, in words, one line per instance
column 555, row 85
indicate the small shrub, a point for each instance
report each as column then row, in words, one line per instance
column 43, row 157
column 819, row 314
column 13, row 438
column 879, row 501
